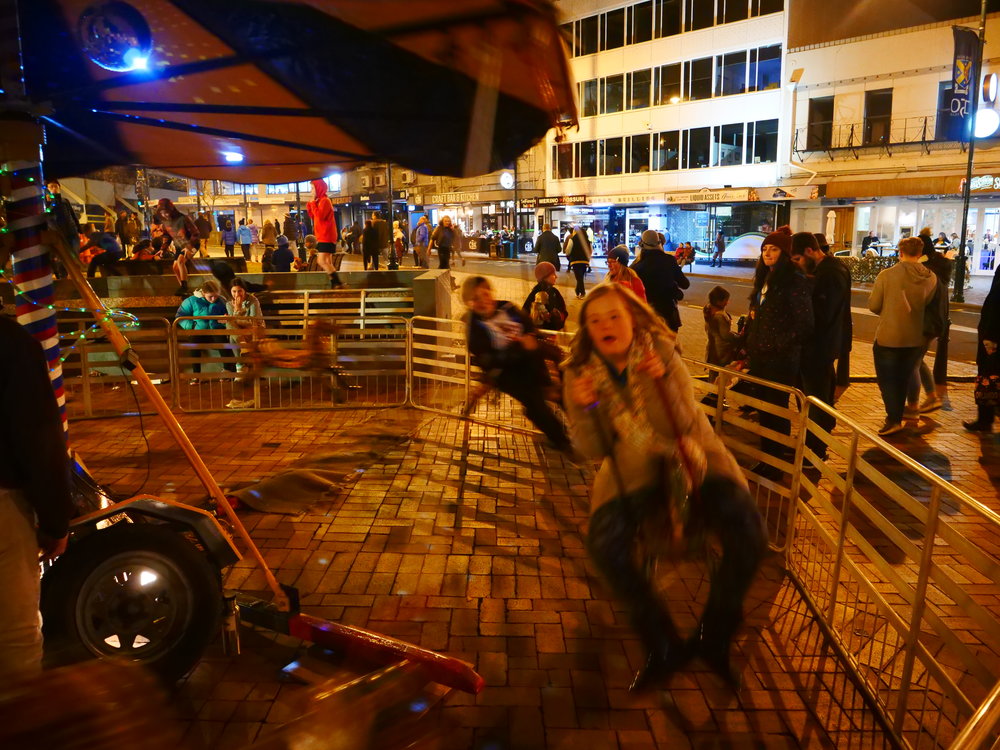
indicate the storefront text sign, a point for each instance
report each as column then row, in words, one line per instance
column 634, row 198
column 785, row 193
column 528, row 203
column 452, row 198
column 705, row 195
column 562, row 200
column 984, row 183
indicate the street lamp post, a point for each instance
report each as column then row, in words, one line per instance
column 393, row 260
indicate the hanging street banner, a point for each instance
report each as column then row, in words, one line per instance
column 960, row 106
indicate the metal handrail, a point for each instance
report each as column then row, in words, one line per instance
column 982, row 727
column 833, row 135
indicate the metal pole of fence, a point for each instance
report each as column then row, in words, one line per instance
column 852, row 463
column 409, row 363
column 720, row 392
column 919, row 604
column 174, row 359
column 800, row 447
column 85, row 377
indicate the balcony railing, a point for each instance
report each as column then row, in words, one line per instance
column 871, row 132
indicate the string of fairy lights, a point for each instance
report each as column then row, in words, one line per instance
column 121, row 318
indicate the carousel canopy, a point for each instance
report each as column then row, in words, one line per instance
column 288, row 90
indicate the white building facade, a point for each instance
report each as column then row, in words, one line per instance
column 681, row 108
column 871, row 118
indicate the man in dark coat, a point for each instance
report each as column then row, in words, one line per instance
column 831, row 301
column 548, row 247
column 662, row 277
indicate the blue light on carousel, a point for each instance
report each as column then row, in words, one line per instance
column 115, row 36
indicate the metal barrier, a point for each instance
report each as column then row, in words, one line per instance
column 363, row 365
column 365, row 304
column 880, row 547
column 95, row 383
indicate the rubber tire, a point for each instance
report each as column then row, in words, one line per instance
column 164, row 550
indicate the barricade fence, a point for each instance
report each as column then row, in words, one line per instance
column 900, row 566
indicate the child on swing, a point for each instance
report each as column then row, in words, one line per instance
column 630, row 402
column 503, row 344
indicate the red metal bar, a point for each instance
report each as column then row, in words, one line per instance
column 444, row 670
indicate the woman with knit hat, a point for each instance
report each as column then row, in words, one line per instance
column 778, row 324
column 620, row 273
column 545, row 304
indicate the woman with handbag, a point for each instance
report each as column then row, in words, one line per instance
column 630, row 403
column 987, row 392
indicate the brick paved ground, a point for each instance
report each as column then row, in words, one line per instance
column 510, row 591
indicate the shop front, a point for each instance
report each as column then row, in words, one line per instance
column 894, row 217
column 689, row 216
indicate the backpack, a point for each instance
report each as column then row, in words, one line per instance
column 936, row 313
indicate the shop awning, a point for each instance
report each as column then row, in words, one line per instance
column 923, row 185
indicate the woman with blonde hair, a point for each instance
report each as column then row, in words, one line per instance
column 620, row 273
column 631, row 404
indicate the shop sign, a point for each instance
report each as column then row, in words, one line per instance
column 528, row 203
column 626, row 199
column 549, row 201
column 574, row 200
column 984, row 183
column 452, row 198
column 707, row 195
column 562, row 200
column 786, row 193
column 340, row 200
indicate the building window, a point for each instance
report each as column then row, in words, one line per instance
column 666, row 151
column 727, row 145
column 637, row 156
column 698, row 78
column 276, row 189
column 731, row 11
column 587, row 159
column 878, row 114
column 567, row 34
column 613, row 94
column 563, row 155
column 764, row 7
column 697, row 151
column 589, row 98
column 819, row 133
column 668, row 18
column 731, row 73
column 943, row 129
column 612, row 156
column 586, row 36
column 765, row 68
column 640, row 22
column 667, row 84
column 698, row 14
column 765, row 141
column 638, row 88
column 613, row 29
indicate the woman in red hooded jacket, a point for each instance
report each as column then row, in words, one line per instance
column 320, row 211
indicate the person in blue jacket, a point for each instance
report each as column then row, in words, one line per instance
column 245, row 238
column 205, row 303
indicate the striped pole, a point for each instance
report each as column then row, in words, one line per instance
column 32, row 268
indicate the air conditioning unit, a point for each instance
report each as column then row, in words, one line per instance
column 366, row 181
column 379, row 180
column 407, row 176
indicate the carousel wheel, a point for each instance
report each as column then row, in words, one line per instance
column 134, row 593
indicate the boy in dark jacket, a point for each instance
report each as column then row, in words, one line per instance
column 662, row 278
column 502, row 343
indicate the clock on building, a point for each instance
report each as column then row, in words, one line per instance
column 506, row 180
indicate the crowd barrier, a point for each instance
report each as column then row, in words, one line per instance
column 901, row 568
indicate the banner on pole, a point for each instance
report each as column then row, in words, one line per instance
column 962, row 79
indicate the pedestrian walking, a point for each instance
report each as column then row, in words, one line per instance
column 245, row 239
column 320, row 210
column 934, row 383
column 900, row 297
column 662, row 277
column 987, row 387
column 204, row 225
column 548, row 247
column 578, row 251
column 268, row 235
column 254, row 239
column 720, row 248
column 779, row 323
column 370, row 246
column 631, row 405
column 444, row 239
column 229, row 239
column 421, row 239
column 383, row 233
